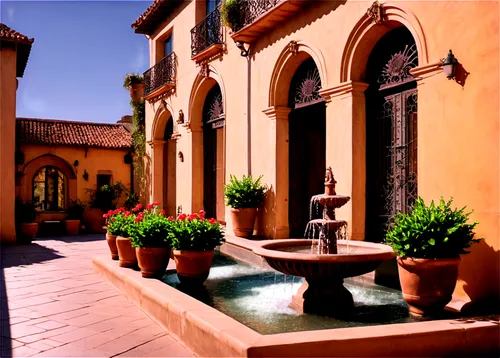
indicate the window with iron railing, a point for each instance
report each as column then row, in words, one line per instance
column 162, row 73
column 207, row 33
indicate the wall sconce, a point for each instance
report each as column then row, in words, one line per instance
column 449, row 65
column 181, row 157
column 180, row 119
column 241, row 46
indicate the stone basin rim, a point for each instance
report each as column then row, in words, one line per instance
column 270, row 250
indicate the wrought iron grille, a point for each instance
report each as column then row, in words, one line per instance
column 400, row 190
column 162, row 73
column 305, row 85
column 252, row 9
column 207, row 33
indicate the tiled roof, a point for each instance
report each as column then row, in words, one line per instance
column 9, row 36
column 59, row 132
column 156, row 13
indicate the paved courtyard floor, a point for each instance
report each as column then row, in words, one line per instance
column 54, row 305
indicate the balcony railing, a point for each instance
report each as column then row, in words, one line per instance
column 250, row 10
column 207, row 33
column 161, row 75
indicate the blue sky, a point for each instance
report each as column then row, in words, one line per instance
column 82, row 51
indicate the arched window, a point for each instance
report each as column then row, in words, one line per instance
column 49, row 186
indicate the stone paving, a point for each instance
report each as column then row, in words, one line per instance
column 54, row 305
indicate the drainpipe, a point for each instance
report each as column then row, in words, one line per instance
column 249, row 113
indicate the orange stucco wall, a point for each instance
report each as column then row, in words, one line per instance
column 458, row 123
column 94, row 160
column 7, row 143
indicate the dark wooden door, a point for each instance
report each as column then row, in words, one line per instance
column 210, row 170
column 307, row 162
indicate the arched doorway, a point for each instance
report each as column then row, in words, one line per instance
column 391, row 131
column 214, row 154
column 169, row 169
column 307, row 144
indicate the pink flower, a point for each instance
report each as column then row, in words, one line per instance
column 156, row 203
column 202, row 214
column 182, row 217
column 170, row 218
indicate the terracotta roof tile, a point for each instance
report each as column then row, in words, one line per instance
column 60, row 132
column 157, row 12
column 9, row 37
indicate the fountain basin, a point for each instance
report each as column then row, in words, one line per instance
column 332, row 201
column 323, row 292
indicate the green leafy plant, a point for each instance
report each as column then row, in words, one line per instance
column 245, row 192
column 139, row 140
column 75, row 210
column 434, row 231
column 25, row 212
column 131, row 201
column 132, row 79
column 195, row 232
column 150, row 227
column 232, row 14
column 107, row 196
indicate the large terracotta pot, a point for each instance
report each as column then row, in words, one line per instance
column 136, row 92
column 95, row 220
column 72, row 227
column 243, row 221
column 126, row 252
column 28, row 232
column 153, row 261
column 111, row 240
column 193, row 267
column 427, row 284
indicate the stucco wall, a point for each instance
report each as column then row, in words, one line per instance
column 458, row 124
column 93, row 160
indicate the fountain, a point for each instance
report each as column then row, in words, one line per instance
column 325, row 257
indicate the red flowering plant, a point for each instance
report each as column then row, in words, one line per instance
column 150, row 227
column 195, row 232
column 116, row 220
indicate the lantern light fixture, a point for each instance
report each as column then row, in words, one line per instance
column 449, row 65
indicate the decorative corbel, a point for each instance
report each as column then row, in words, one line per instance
column 204, row 70
column 293, row 47
column 375, row 12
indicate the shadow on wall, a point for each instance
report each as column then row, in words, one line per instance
column 12, row 256
column 266, row 220
column 461, row 75
column 482, row 262
column 309, row 14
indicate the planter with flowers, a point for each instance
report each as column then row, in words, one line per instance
column 244, row 197
column 113, row 228
column 75, row 214
column 149, row 235
column 429, row 241
column 194, row 239
column 117, row 223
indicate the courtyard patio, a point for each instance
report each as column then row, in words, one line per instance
column 54, row 305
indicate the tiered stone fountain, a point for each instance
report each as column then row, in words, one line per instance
column 325, row 257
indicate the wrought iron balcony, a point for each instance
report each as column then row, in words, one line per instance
column 207, row 37
column 160, row 78
column 260, row 16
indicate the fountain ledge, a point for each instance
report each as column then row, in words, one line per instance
column 208, row 332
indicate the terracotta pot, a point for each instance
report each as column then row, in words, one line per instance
column 95, row 220
column 136, row 92
column 193, row 267
column 111, row 240
column 126, row 252
column 28, row 232
column 72, row 227
column 243, row 221
column 427, row 284
column 153, row 261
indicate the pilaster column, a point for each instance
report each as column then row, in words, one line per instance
column 279, row 181
column 196, row 168
column 157, row 184
column 346, row 150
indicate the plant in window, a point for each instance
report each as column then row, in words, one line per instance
column 244, row 196
column 429, row 241
column 194, row 239
column 232, row 14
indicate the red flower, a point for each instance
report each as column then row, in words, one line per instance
column 212, row 221
column 192, row 217
column 137, row 219
column 182, row 217
column 156, row 203
column 105, row 216
column 149, row 207
column 171, row 218
column 163, row 212
column 112, row 219
column 202, row 214
column 126, row 213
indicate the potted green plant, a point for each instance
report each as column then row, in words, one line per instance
column 25, row 219
column 134, row 83
column 149, row 236
column 75, row 214
column 102, row 201
column 194, row 239
column 429, row 241
column 117, row 222
column 232, row 14
column 244, row 197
